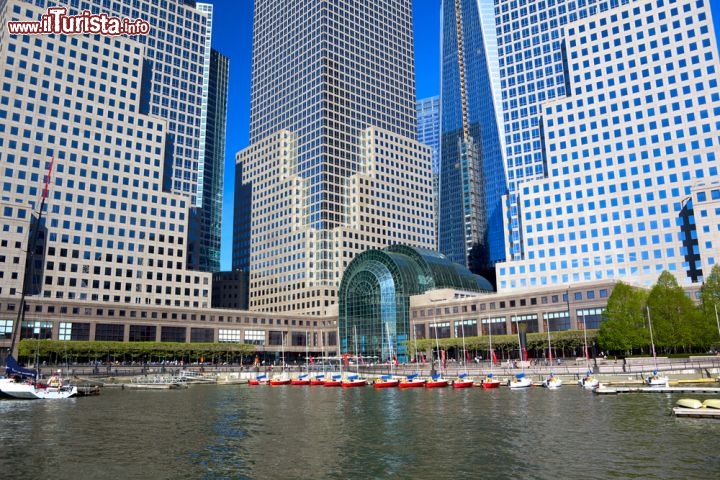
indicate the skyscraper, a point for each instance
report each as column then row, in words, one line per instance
column 472, row 176
column 121, row 117
column 612, row 116
column 204, row 254
column 428, row 129
column 333, row 167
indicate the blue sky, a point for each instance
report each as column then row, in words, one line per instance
column 232, row 36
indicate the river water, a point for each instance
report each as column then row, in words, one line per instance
column 243, row 432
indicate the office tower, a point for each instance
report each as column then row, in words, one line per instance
column 428, row 131
column 120, row 115
column 334, row 167
column 624, row 104
column 204, row 254
column 472, row 176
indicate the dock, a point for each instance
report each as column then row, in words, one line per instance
column 696, row 412
column 605, row 390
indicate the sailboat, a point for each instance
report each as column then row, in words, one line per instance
column 355, row 380
column 655, row 380
column 490, row 381
column 388, row 381
column 552, row 382
column 319, row 378
column 437, row 380
column 520, row 380
column 589, row 381
column 414, row 380
column 282, row 378
column 463, row 380
column 23, row 383
column 303, row 378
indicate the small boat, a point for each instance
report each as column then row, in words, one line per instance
column 656, row 380
column 520, row 381
column 55, row 388
column 258, row 380
column 436, row 381
column 282, row 379
column 386, row 381
column 335, row 381
column 712, row 403
column 412, row 381
column 318, row 380
column 589, row 381
column 302, row 379
column 689, row 403
column 490, row 381
column 354, row 381
column 155, row 382
column 463, row 381
column 552, row 382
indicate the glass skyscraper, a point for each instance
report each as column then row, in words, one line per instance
column 472, row 174
column 612, row 114
column 428, row 128
column 333, row 167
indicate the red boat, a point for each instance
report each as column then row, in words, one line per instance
column 318, row 380
column 436, row 381
column 412, row 381
column 259, row 380
column 335, row 381
column 463, row 381
column 490, row 381
column 354, row 381
column 386, row 381
column 280, row 380
column 300, row 380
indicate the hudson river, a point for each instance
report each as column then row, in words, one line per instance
column 242, row 432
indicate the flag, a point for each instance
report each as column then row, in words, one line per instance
column 311, row 360
column 525, row 354
column 494, row 357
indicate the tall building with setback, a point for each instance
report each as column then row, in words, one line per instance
column 614, row 111
column 120, row 115
column 334, row 167
column 472, row 172
column 428, row 131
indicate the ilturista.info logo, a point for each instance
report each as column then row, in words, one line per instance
column 56, row 20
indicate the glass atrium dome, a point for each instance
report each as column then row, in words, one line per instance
column 374, row 297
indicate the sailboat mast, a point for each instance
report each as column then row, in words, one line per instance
column 29, row 263
column 652, row 341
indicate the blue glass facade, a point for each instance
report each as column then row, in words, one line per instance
column 472, row 175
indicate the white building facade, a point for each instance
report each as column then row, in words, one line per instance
column 628, row 145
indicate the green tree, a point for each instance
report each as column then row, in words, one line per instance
column 673, row 314
column 709, row 331
column 622, row 329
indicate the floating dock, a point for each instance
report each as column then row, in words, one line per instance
column 696, row 412
column 603, row 390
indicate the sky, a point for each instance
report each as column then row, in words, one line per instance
column 232, row 36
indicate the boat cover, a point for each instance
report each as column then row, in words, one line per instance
column 519, row 375
column 12, row 368
column 386, row 377
column 260, row 377
column 352, row 377
column 462, row 375
column 410, row 377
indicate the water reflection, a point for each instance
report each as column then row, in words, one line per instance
column 240, row 432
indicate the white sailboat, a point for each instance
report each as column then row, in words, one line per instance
column 355, row 380
column 490, row 381
column 282, row 378
column 589, row 381
column 552, row 382
column 463, row 380
column 24, row 383
column 520, row 380
column 655, row 380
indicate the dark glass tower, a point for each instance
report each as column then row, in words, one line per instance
column 472, row 175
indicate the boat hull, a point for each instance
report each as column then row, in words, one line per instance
column 412, row 384
column 657, row 381
column 277, row 383
column 386, row 383
column 24, row 391
column 354, row 383
column 436, row 384
column 463, row 384
column 517, row 384
column 589, row 383
column 299, row 382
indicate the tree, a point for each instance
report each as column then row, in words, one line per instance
column 709, row 332
column 673, row 314
column 622, row 329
